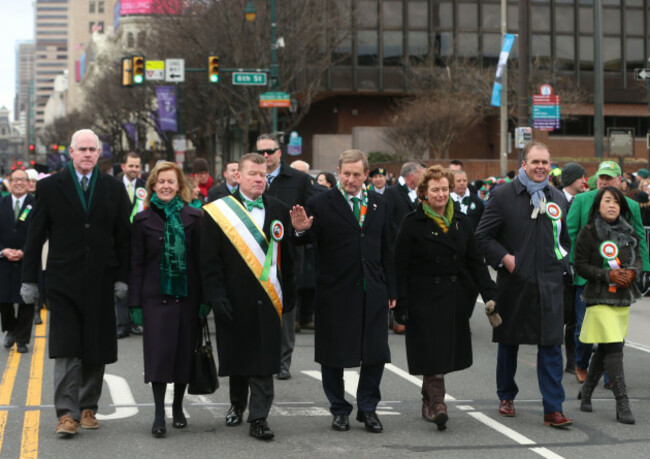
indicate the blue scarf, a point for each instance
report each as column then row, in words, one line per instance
column 534, row 188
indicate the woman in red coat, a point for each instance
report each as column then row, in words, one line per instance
column 165, row 288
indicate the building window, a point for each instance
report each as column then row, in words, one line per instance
column 141, row 39
column 417, row 15
column 130, row 42
column 91, row 26
column 392, row 15
column 393, row 48
column 100, row 7
column 91, row 6
column 367, row 47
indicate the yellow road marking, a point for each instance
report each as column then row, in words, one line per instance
column 29, row 443
column 6, row 387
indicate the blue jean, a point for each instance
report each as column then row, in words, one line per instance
column 549, row 375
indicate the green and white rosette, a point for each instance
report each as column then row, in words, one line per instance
column 138, row 200
column 25, row 213
column 609, row 251
column 554, row 212
column 271, row 261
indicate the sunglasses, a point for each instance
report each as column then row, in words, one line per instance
column 268, row 151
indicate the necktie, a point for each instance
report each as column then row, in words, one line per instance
column 356, row 209
column 84, row 183
column 252, row 204
column 17, row 210
column 129, row 190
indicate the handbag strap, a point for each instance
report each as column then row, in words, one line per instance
column 204, row 335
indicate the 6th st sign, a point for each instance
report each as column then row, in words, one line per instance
column 249, row 78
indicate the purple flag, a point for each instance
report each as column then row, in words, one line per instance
column 130, row 131
column 166, row 108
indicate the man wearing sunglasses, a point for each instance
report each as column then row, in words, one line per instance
column 291, row 187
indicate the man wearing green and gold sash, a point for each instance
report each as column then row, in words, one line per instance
column 247, row 272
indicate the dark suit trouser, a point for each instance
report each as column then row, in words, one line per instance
column 368, row 394
column 122, row 310
column 20, row 325
column 261, row 395
column 569, row 324
column 287, row 338
column 549, row 375
column 77, row 386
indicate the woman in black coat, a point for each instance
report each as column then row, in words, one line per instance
column 165, row 287
column 438, row 266
column 607, row 254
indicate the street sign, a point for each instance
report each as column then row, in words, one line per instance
column 275, row 99
column 175, row 70
column 642, row 74
column 155, row 70
column 546, row 109
column 249, row 78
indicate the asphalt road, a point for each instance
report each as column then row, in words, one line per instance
column 301, row 420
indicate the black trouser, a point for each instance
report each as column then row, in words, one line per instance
column 20, row 325
column 305, row 305
column 261, row 388
column 569, row 322
column 368, row 394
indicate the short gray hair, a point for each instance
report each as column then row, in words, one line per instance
column 84, row 131
column 410, row 167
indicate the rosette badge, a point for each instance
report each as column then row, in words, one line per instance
column 609, row 250
column 553, row 211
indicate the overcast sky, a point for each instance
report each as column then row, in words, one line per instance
column 16, row 24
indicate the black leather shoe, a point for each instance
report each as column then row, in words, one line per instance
column 341, row 423
column 233, row 416
column 284, row 375
column 9, row 341
column 260, row 429
column 122, row 334
column 135, row 330
column 370, row 419
column 22, row 348
column 158, row 431
column 180, row 422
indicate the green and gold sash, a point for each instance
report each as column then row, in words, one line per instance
column 251, row 243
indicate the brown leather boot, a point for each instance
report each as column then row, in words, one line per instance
column 435, row 386
column 427, row 410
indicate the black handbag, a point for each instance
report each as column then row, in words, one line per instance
column 203, row 377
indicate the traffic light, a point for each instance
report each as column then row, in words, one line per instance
column 32, row 149
column 213, row 69
column 127, row 72
column 138, row 70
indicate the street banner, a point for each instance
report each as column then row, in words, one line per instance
column 508, row 40
column 131, row 132
column 166, row 108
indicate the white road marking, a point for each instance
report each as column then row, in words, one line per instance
column 350, row 378
column 638, row 346
column 121, row 395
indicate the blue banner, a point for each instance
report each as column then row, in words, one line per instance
column 508, row 40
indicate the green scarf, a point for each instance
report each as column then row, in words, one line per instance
column 173, row 265
column 444, row 221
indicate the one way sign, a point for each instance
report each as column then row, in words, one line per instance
column 175, row 70
column 642, row 74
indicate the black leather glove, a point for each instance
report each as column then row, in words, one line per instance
column 400, row 313
column 222, row 310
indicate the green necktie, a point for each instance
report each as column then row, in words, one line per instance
column 252, row 204
column 84, row 183
column 356, row 209
column 129, row 190
column 16, row 210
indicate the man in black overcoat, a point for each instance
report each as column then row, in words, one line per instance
column 248, row 306
column 523, row 235
column 15, row 217
column 292, row 187
column 402, row 197
column 228, row 185
column 84, row 214
column 354, row 289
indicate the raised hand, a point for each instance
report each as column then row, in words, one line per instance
column 299, row 219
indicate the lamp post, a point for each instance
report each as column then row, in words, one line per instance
column 250, row 15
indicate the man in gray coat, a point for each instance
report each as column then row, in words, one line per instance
column 523, row 235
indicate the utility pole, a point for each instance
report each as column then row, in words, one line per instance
column 504, row 95
column 599, row 121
